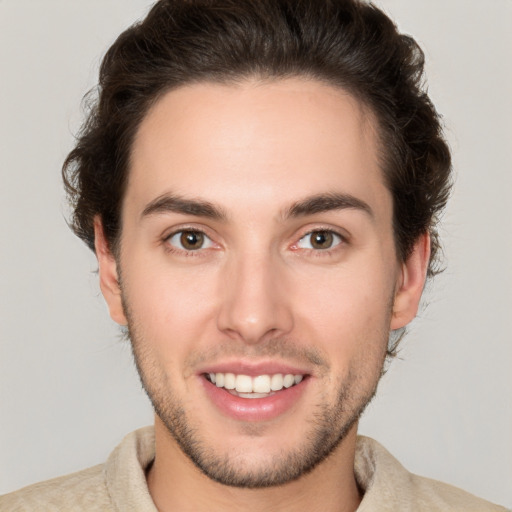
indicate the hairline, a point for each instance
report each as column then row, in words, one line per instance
column 369, row 118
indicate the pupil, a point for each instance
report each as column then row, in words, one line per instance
column 192, row 240
column 322, row 240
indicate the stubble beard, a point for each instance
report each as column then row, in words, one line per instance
column 328, row 424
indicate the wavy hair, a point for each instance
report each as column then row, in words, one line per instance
column 346, row 43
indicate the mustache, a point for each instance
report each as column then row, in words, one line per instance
column 287, row 349
column 280, row 348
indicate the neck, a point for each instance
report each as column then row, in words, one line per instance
column 175, row 483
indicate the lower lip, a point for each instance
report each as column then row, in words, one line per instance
column 254, row 409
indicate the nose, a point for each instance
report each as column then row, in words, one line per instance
column 255, row 304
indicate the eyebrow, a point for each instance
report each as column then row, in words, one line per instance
column 177, row 204
column 309, row 206
column 327, row 202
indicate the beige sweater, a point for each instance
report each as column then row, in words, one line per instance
column 119, row 485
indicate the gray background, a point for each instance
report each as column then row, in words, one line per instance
column 68, row 389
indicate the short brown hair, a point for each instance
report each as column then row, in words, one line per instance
column 346, row 43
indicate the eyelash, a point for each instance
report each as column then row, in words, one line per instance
column 200, row 252
column 184, row 252
column 330, row 251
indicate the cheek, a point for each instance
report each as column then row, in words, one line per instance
column 347, row 309
column 169, row 303
column 360, row 292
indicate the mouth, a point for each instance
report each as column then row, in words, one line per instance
column 249, row 391
column 259, row 386
column 255, row 397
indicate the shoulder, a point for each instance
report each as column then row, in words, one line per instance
column 431, row 494
column 434, row 495
column 390, row 487
column 84, row 490
column 119, row 484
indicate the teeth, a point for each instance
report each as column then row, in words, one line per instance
column 288, row 381
column 253, row 395
column 257, row 387
column 229, row 381
column 276, row 382
column 243, row 383
column 261, row 384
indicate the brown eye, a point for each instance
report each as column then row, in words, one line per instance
column 189, row 240
column 320, row 240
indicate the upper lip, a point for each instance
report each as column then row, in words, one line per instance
column 253, row 369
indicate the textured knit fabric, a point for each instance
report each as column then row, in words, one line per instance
column 119, row 485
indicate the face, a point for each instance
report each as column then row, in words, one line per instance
column 259, row 277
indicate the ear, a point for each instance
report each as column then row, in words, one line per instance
column 410, row 283
column 109, row 278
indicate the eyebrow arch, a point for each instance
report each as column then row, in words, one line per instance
column 178, row 204
column 326, row 202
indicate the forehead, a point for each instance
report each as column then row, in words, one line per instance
column 256, row 142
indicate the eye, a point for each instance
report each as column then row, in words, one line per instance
column 190, row 240
column 320, row 240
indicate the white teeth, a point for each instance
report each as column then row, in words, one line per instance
column 261, row 384
column 276, row 383
column 258, row 387
column 253, row 395
column 229, row 380
column 243, row 384
column 288, row 381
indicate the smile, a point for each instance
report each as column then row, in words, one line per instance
column 259, row 386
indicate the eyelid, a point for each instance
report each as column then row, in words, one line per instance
column 343, row 238
column 207, row 241
column 178, row 230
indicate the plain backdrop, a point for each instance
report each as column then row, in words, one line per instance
column 68, row 388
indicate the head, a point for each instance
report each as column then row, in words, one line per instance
column 215, row 110
column 346, row 43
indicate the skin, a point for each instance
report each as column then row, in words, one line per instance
column 257, row 291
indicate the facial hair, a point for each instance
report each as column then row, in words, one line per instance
column 328, row 423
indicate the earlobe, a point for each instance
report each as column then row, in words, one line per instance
column 411, row 283
column 108, row 274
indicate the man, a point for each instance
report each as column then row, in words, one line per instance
column 260, row 182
